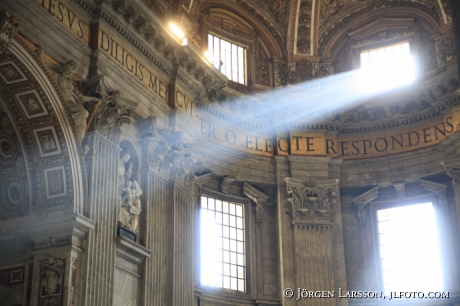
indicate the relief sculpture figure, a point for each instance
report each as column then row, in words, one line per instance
column 74, row 98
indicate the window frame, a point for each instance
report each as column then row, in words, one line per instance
column 242, row 42
column 249, row 237
column 377, row 45
column 245, row 56
column 385, row 46
column 378, row 205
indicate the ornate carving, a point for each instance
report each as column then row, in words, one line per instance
column 277, row 9
column 158, row 8
column 311, row 201
column 170, row 157
column 109, row 115
column 262, row 76
column 304, row 28
column 52, row 242
column 446, row 49
column 51, row 276
column 361, row 202
column 9, row 26
column 279, row 39
column 331, row 10
column 73, row 282
column 281, row 73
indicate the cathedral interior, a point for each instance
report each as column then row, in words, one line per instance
column 229, row 152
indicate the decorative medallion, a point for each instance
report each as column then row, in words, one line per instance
column 6, row 148
column 16, row 276
column 304, row 68
column 14, row 193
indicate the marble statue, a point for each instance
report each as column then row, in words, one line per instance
column 129, row 195
column 73, row 96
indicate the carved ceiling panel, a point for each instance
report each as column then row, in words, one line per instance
column 333, row 10
column 276, row 11
column 304, row 27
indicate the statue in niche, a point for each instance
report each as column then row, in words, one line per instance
column 74, row 98
column 129, row 195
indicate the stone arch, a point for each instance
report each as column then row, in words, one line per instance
column 46, row 133
column 267, row 32
column 335, row 35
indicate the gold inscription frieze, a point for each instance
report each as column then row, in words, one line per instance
column 247, row 141
column 358, row 147
column 68, row 17
column 137, row 68
column 182, row 101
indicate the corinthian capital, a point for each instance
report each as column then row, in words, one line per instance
column 311, row 201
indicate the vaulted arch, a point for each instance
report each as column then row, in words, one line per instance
column 42, row 133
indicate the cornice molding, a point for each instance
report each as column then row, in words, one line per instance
column 133, row 248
